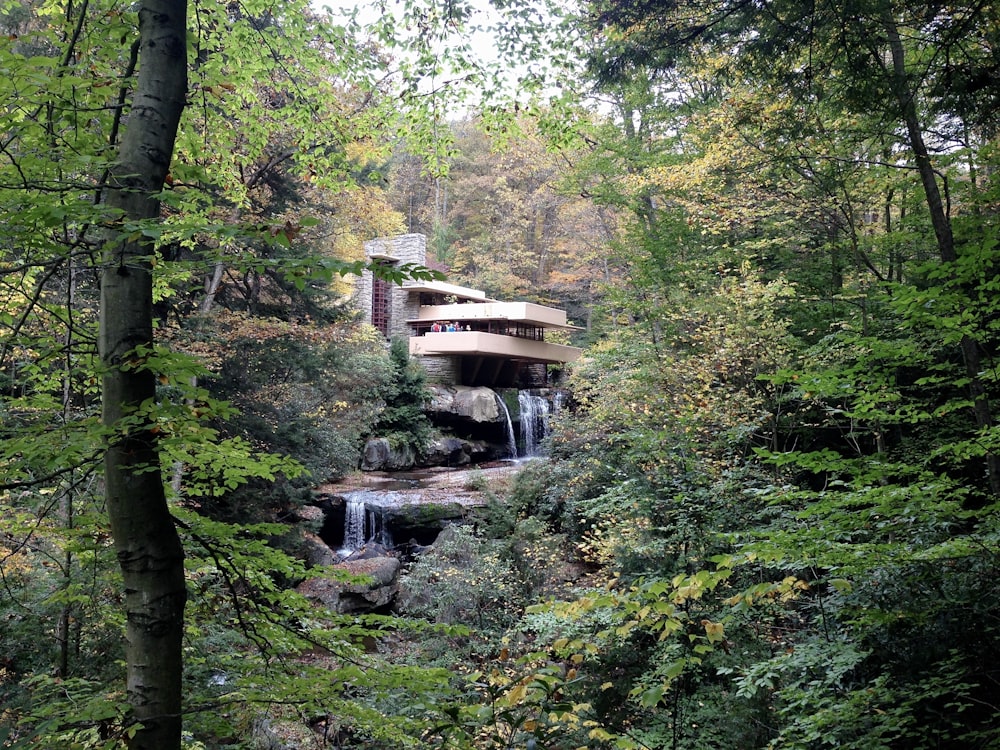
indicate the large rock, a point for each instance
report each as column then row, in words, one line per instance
column 422, row 522
column 317, row 552
column 379, row 455
column 398, row 515
column 464, row 402
column 447, row 451
column 476, row 415
column 345, row 597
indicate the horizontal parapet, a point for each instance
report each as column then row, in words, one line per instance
column 492, row 345
column 527, row 313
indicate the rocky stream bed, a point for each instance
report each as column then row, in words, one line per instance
column 371, row 523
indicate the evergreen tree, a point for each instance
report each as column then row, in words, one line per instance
column 403, row 420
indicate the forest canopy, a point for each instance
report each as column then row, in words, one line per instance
column 768, row 518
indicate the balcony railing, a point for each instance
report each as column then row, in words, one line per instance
column 484, row 343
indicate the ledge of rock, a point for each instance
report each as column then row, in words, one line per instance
column 424, row 521
column 475, row 415
column 346, row 597
column 447, row 451
column 476, row 404
column 317, row 552
column 379, row 455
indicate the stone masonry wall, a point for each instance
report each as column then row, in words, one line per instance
column 442, row 370
column 404, row 248
column 363, row 296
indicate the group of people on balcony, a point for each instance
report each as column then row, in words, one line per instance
column 527, row 332
column 449, row 326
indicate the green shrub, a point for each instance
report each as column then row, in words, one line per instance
column 403, row 395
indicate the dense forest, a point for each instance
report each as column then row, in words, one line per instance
column 768, row 516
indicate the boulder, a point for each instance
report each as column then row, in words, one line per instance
column 473, row 414
column 349, row 597
column 375, row 455
column 424, row 521
column 447, row 451
column 379, row 455
column 461, row 402
column 369, row 551
column 309, row 514
column 317, row 552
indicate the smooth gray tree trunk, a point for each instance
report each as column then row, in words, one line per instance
column 146, row 542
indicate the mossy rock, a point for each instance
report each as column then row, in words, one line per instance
column 422, row 522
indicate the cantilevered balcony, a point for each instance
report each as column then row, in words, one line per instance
column 525, row 313
column 483, row 344
column 495, row 344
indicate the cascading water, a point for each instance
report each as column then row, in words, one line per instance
column 354, row 524
column 534, row 419
column 558, row 401
column 361, row 523
column 511, row 439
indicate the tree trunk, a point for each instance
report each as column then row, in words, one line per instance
column 906, row 98
column 146, row 542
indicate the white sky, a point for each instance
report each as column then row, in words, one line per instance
column 484, row 45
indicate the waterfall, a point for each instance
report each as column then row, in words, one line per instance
column 354, row 522
column 534, row 421
column 558, row 401
column 362, row 524
column 511, row 440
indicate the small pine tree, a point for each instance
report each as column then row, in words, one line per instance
column 403, row 420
